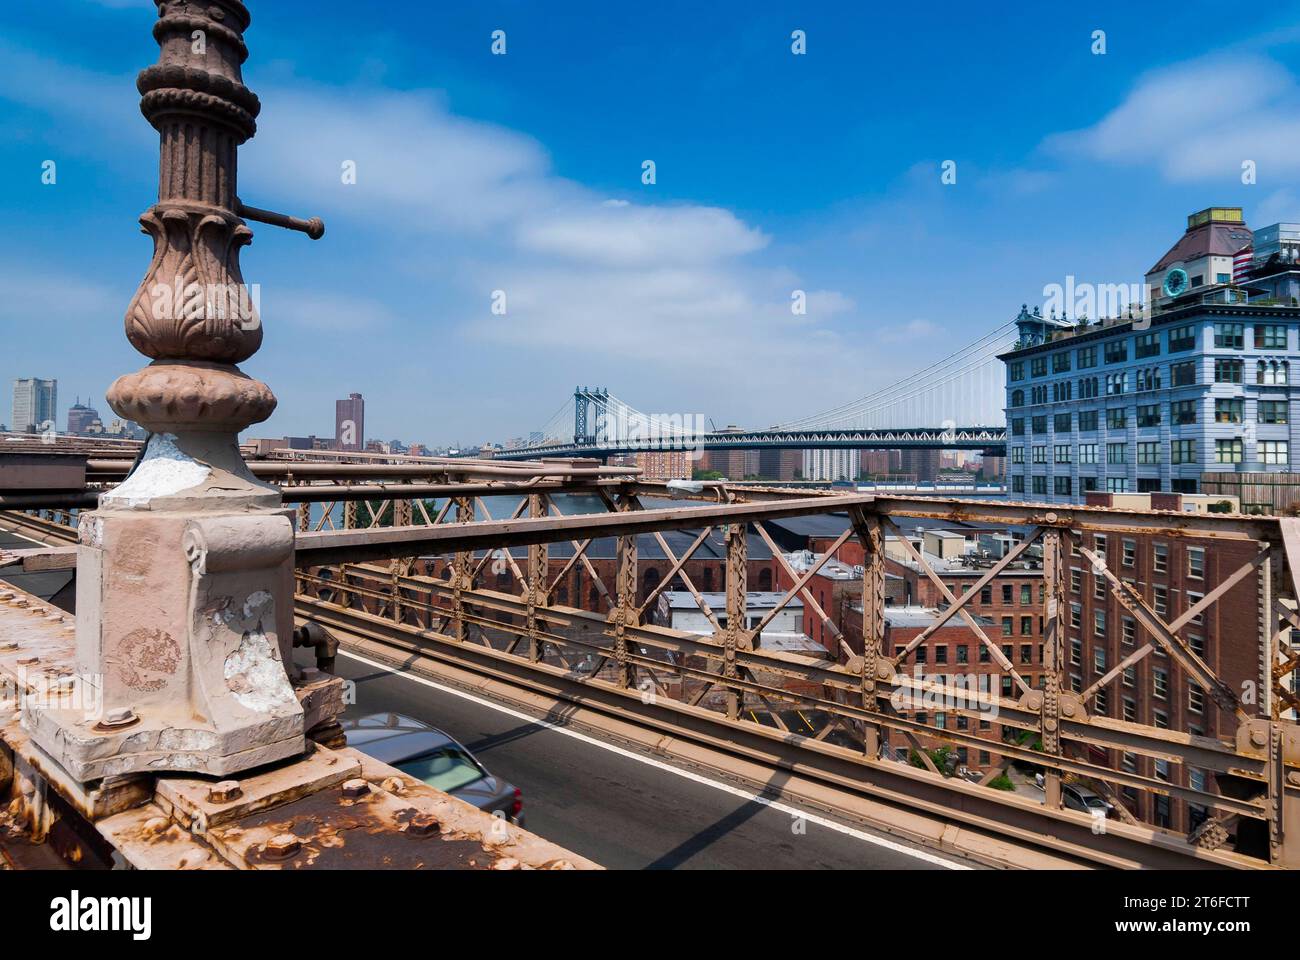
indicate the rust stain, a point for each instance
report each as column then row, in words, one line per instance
column 147, row 652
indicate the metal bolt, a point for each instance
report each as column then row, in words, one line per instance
column 1259, row 738
column 423, row 825
column 1294, row 778
column 282, row 846
column 227, row 791
column 561, row 865
column 118, row 717
column 356, row 788
column 394, row 785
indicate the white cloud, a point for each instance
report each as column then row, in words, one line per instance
column 1200, row 120
column 626, row 235
column 446, row 209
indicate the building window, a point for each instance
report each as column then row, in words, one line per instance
column 1099, row 622
column 1147, row 378
column 1161, row 767
column 1183, row 411
column 1061, row 453
column 1039, row 424
column 1026, row 649
column 1274, row 452
column 1116, row 418
column 1115, row 383
column 1229, row 336
column 1146, row 345
column 1061, row 486
column 1017, row 484
column 941, row 653
column 1040, row 453
column 1228, row 451
column 1272, row 372
column 1087, row 453
column 1182, row 374
column 1273, row 411
column 1182, row 338
column 1099, row 660
column 1062, row 391
column 1088, row 388
column 1195, row 698
column 1016, row 371
column 1270, row 336
column 1128, row 631
column 1007, row 624
column 963, row 653
column 1130, row 676
column 1227, row 371
column 1148, row 415
column 1038, row 366
column 1061, row 361
column 1116, row 351
column 1087, row 357
column 1061, row 422
column 1018, row 399
column 1196, row 563
column 1149, row 452
column 1087, row 420
column 1184, row 451
column 1160, row 558
column 1116, row 485
column 1160, row 684
column 1227, row 409
column 1118, row 452
column 1128, row 552
column 1076, row 615
column 1039, row 485
column 1017, row 454
column 1160, row 599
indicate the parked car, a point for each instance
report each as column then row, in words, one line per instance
column 433, row 757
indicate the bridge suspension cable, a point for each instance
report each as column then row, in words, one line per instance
column 964, row 388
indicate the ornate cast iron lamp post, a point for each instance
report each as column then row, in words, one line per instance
column 185, row 572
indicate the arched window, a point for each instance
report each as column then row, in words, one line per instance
column 765, row 579
column 1017, row 398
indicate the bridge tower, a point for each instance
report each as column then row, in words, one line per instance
column 585, row 429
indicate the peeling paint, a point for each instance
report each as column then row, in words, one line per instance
column 255, row 675
column 164, row 472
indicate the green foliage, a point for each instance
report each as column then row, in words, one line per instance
column 939, row 755
column 1001, row 782
column 698, row 474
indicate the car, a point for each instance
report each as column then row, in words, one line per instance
column 433, row 757
column 1084, row 800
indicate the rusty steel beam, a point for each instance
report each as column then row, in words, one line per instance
column 329, row 547
column 1101, row 519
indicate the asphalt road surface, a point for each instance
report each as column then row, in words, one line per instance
column 620, row 808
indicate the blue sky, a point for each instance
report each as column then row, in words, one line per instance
column 522, row 173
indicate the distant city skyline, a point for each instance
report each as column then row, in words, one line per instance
column 481, row 174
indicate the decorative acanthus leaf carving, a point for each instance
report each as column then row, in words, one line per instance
column 193, row 303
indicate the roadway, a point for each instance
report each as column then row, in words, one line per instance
column 623, row 809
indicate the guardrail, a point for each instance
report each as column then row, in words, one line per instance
column 860, row 707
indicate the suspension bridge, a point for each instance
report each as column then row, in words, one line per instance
column 954, row 403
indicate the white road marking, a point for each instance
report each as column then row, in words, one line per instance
column 669, row 768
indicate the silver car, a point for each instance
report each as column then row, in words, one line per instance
column 431, row 756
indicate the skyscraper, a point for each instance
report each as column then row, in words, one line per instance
column 80, row 417
column 350, row 423
column 35, row 404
